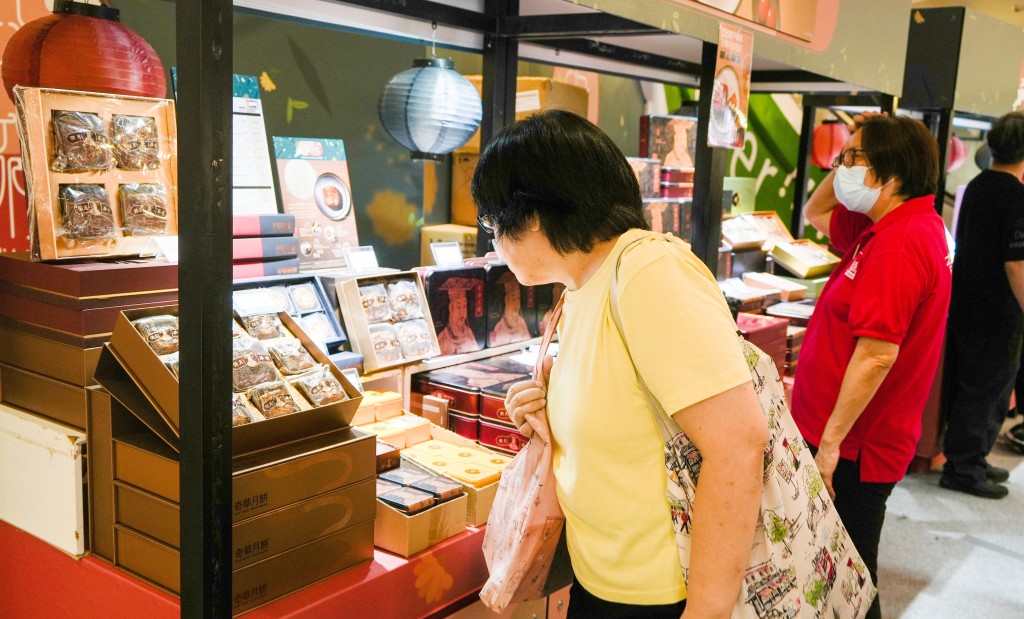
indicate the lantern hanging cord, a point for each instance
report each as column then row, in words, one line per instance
column 433, row 39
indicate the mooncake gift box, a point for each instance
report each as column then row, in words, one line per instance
column 137, row 365
column 804, row 258
column 388, row 319
column 457, row 304
column 511, row 307
column 648, row 174
column 100, row 170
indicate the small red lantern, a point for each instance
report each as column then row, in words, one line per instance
column 82, row 47
column 957, row 154
column 827, row 143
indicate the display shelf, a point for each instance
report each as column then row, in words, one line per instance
column 429, row 584
column 449, row 360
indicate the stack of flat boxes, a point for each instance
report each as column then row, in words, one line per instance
column 303, row 490
column 767, row 333
column 794, row 339
column 475, row 393
column 264, row 245
column 55, row 317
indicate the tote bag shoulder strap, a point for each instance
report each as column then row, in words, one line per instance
column 667, row 426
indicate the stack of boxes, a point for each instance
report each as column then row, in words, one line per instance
column 264, row 245
column 55, row 318
column 794, row 339
column 303, row 487
column 768, row 334
column 475, row 393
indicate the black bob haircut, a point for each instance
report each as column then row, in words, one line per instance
column 559, row 168
column 1006, row 139
column 902, row 147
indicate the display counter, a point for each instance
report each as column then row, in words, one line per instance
column 40, row 580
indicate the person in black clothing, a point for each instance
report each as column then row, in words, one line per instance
column 986, row 321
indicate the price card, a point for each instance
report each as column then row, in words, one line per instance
column 361, row 259
column 447, row 254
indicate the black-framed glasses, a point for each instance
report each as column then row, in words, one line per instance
column 847, row 158
column 486, row 223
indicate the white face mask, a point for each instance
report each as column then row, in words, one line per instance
column 851, row 190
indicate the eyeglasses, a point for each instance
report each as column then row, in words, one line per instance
column 486, row 223
column 847, row 158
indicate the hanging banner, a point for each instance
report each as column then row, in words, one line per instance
column 729, row 97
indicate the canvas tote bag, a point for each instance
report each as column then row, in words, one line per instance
column 803, row 562
column 523, row 535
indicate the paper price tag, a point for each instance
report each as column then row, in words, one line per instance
column 361, row 259
column 447, row 254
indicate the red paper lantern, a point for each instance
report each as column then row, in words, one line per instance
column 82, row 47
column 957, row 154
column 827, row 143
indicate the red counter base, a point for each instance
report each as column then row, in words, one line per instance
column 39, row 580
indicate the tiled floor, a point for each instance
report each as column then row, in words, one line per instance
column 948, row 554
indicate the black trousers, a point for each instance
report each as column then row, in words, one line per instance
column 861, row 507
column 585, row 605
column 978, row 377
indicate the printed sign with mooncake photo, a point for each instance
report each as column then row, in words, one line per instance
column 316, row 189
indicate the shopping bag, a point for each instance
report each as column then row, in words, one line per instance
column 802, row 562
column 521, row 540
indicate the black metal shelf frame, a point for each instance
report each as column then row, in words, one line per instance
column 204, row 40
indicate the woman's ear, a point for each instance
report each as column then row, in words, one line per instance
column 535, row 223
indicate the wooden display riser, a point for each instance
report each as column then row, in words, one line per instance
column 41, row 581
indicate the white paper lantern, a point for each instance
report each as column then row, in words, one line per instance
column 430, row 109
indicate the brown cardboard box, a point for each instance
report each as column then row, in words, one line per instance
column 535, row 94
column 51, row 358
column 259, row 537
column 463, row 207
column 464, row 235
column 51, row 398
column 356, row 323
column 261, row 481
column 160, row 388
column 258, row 583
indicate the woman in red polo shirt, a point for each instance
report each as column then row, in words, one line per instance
column 872, row 346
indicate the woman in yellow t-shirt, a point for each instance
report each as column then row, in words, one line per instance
column 563, row 204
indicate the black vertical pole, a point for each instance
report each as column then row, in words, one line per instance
column 943, row 135
column 887, row 103
column 204, row 54
column 500, row 69
column 796, row 223
column 710, row 164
